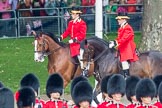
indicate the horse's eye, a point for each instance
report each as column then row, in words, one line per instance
column 39, row 45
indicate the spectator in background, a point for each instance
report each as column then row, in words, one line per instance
column 13, row 4
column 121, row 7
column 38, row 4
column 6, row 98
column 139, row 8
column 88, row 3
column 50, row 4
column 5, row 6
column 111, row 8
column 26, row 4
column 131, row 8
column 73, row 3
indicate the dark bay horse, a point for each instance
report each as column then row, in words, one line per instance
column 59, row 59
column 106, row 62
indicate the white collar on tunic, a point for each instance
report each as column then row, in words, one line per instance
column 124, row 23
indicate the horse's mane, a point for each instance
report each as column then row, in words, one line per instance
column 99, row 40
column 54, row 38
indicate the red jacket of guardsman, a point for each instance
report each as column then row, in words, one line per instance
column 39, row 102
column 114, row 105
column 158, row 104
column 56, row 104
column 151, row 106
column 126, row 45
column 103, row 104
column 76, row 30
column 132, row 105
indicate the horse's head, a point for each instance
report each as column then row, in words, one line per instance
column 40, row 47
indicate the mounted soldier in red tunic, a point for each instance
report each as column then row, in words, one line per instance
column 77, row 31
column 125, row 42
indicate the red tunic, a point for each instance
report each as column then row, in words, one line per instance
column 56, row 104
column 147, row 107
column 103, row 104
column 126, row 44
column 79, row 107
column 132, row 106
column 75, row 30
column 158, row 104
column 115, row 106
column 39, row 102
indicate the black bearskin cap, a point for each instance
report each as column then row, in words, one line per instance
column 131, row 83
column 6, row 98
column 116, row 84
column 1, row 84
column 82, row 91
column 54, row 84
column 160, row 92
column 104, row 83
column 76, row 80
column 144, row 88
column 157, row 80
column 30, row 80
column 26, row 97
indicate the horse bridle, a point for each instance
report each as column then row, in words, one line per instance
column 44, row 52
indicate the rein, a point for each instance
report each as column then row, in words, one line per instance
column 96, row 58
column 44, row 53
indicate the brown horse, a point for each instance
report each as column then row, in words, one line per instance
column 59, row 59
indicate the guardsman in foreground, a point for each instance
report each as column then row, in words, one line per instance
column 145, row 92
column 106, row 98
column 131, row 83
column 158, row 82
column 6, row 98
column 32, row 81
column 116, row 90
column 26, row 97
column 82, row 95
column 54, row 90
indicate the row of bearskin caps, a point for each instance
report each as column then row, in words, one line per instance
column 82, row 90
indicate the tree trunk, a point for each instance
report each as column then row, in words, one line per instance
column 152, row 26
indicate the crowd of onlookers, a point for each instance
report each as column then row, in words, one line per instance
column 42, row 7
column 140, row 92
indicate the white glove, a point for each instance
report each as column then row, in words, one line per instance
column 71, row 41
column 111, row 44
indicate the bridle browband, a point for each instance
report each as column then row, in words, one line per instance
column 45, row 53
